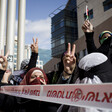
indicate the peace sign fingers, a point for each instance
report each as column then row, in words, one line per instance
column 69, row 49
column 36, row 41
column 73, row 49
column 33, row 41
column 34, row 46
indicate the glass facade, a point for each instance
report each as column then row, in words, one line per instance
column 64, row 29
column 107, row 4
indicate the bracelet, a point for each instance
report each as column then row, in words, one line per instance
column 67, row 73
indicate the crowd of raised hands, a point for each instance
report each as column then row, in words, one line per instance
column 4, row 61
column 36, row 76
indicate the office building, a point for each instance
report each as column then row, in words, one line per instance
column 100, row 15
column 64, row 28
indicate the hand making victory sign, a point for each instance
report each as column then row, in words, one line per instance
column 69, row 60
column 34, row 46
column 3, row 66
column 3, row 60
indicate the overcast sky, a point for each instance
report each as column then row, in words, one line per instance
column 38, row 22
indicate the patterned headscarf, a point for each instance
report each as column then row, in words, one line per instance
column 100, row 36
column 24, row 64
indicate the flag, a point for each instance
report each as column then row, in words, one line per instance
column 87, row 13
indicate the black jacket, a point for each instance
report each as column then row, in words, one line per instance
column 16, row 79
column 16, row 104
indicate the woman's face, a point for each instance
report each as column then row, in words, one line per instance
column 106, row 35
column 39, row 76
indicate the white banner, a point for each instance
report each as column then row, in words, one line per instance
column 84, row 95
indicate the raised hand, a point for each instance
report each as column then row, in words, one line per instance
column 43, row 81
column 34, row 46
column 69, row 60
column 6, row 76
column 3, row 60
column 87, row 26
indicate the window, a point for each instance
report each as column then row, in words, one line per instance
column 53, row 28
column 62, row 23
column 15, row 61
column 70, row 23
column 62, row 40
column 90, row 14
column 107, row 4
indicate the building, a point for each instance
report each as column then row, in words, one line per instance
column 51, row 65
column 64, row 28
column 7, row 30
column 100, row 14
column 63, row 31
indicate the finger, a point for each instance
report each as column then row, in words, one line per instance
column 43, row 82
column 32, row 45
column 86, row 26
column 66, row 58
column 83, row 27
column 36, row 41
column 7, row 54
column 2, row 52
column 74, row 59
column 73, row 49
column 69, row 48
column 33, row 40
column 3, row 57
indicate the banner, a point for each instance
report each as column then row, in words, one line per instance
column 84, row 95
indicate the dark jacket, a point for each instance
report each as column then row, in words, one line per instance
column 16, row 79
column 16, row 104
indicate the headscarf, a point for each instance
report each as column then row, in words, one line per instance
column 24, row 64
column 36, row 81
column 95, row 65
column 100, row 36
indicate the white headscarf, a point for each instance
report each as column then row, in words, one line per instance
column 86, row 63
column 91, row 60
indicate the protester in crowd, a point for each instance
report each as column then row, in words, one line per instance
column 4, row 74
column 34, row 76
column 26, row 64
column 70, row 74
column 93, row 68
column 105, row 39
column 58, row 74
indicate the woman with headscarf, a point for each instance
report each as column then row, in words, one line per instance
column 18, row 75
column 34, row 76
column 105, row 40
column 94, row 68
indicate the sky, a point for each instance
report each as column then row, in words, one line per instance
column 38, row 21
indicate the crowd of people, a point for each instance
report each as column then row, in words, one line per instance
column 94, row 68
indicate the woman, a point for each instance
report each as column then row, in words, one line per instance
column 35, row 76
